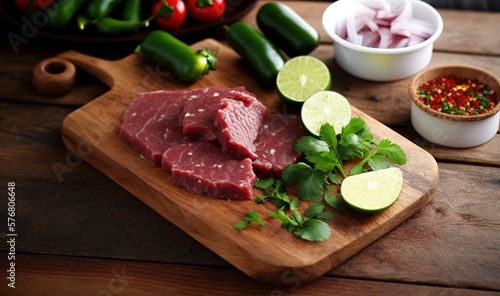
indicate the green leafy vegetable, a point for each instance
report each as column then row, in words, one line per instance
column 251, row 216
column 323, row 166
column 314, row 230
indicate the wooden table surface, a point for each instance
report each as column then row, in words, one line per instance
column 79, row 233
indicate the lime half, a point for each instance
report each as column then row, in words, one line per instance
column 374, row 191
column 301, row 77
column 325, row 107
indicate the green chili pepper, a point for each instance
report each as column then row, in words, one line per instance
column 286, row 29
column 262, row 55
column 82, row 21
column 132, row 10
column 112, row 26
column 186, row 64
column 98, row 9
column 64, row 11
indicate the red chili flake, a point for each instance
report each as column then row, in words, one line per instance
column 456, row 95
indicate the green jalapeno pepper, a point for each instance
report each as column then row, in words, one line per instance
column 64, row 11
column 112, row 26
column 132, row 10
column 286, row 29
column 185, row 63
column 130, row 23
column 97, row 9
column 262, row 55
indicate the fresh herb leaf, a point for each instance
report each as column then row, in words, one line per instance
column 325, row 161
column 327, row 133
column 357, row 168
column 332, row 200
column 251, row 216
column 294, row 204
column 377, row 162
column 333, row 178
column 314, row 230
column 264, row 183
column 325, row 216
column 287, row 222
column 355, row 125
column 315, row 209
column 311, row 188
column 324, row 157
column 262, row 199
column 293, row 173
column 310, row 145
column 242, row 224
column 298, row 217
column 391, row 151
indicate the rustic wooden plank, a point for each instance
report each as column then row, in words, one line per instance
column 479, row 35
column 487, row 154
column 453, row 241
column 17, row 68
column 54, row 275
column 100, row 210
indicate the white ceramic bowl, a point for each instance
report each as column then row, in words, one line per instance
column 457, row 131
column 379, row 64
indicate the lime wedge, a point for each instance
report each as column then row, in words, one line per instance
column 374, row 191
column 325, row 107
column 301, row 77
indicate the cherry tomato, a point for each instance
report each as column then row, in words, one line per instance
column 206, row 10
column 24, row 5
column 170, row 14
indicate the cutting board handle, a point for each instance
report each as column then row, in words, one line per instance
column 105, row 70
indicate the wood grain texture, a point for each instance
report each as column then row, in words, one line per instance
column 267, row 254
column 453, row 241
column 42, row 275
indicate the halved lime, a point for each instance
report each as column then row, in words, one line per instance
column 325, row 107
column 374, row 191
column 301, row 77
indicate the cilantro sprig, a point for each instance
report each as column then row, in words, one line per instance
column 322, row 168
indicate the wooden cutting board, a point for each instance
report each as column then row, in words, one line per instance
column 268, row 254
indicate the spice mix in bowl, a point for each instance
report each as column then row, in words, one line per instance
column 455, row 105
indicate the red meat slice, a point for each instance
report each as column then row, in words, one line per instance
column 275, row 144
column 202, row 168
column 151, row 122
column 201, row 108
column 238, row 124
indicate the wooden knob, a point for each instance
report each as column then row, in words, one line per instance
column 54, row 76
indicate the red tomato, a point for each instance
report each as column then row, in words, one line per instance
column 22, row 5
column 206, row 10
column 41, row 4
column 170, row 13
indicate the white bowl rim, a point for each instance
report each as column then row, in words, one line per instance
column 330, row 30
column 453, row 117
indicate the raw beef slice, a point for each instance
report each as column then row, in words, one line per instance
column 201, row 108
column 151, row 122
column 202, row 168
column 238, row 124
column 275, row 144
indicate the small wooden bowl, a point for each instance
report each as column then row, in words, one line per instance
column 457, row 131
